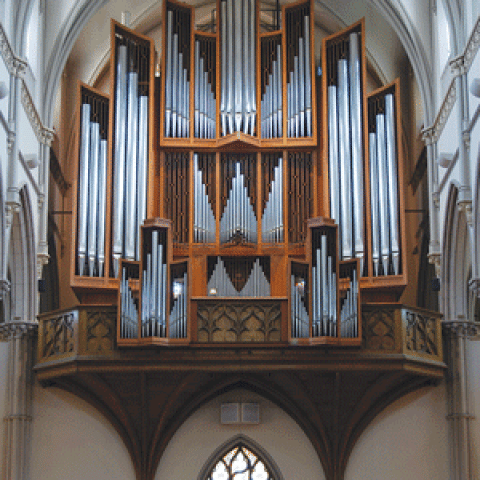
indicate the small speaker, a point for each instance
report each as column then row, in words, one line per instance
column 230, row 413
column 42, row 285
column 250, row 413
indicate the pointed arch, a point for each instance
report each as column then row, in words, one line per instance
column 239, row 442
column 21, row 262
column 457, row 266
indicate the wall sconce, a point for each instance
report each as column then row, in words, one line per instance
column 445, row 159
column 475, row 87
column 3, row 90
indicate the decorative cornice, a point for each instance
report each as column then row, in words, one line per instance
column 428, row 135
column 457, row 65
column 435, row 259
column 44, row 135
column 4, row 288
column 461, row 328
column 472, row 47
column 16, row 329
column 474, row 286
column 42, row 260
column 16, row 66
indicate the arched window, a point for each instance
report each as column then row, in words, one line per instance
column 240, row 459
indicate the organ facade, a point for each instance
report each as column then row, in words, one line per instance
column 243, row 205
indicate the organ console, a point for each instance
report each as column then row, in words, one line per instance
column 222, row 179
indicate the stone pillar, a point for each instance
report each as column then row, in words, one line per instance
column 457, row 334
column 18, row 390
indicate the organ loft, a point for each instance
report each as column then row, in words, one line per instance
column 239, row 220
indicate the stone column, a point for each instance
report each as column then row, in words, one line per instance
column 457, row 334
column 18, row 390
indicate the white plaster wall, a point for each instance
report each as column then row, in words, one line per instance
column 71, row 440
column 408, row 440
column 202, row 434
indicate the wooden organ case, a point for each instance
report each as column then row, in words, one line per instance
column 238, row 221
column 224, row 165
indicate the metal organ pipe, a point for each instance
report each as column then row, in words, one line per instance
column 299, row 86
column 392, row 181
column 356, row 146
column 257, row 284
column 154, row 290
column 131, row 167
column 238, row 103
column 204, row 220
column 384, row 190
column 119, row 157
column 102, row 205
column 83, row 187
column 128, row 309
column 130, row 158
column 375, row 201
column 93, row 195
column 238, row 218
column 349, row 310
column 272, row 219
column 299, row 314
column 324, row 292
column 345, row 147
column 345, row 158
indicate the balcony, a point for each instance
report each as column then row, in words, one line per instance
column 147, row 391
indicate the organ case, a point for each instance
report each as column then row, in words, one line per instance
column 251, row 203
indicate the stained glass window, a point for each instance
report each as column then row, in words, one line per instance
column 240, row 463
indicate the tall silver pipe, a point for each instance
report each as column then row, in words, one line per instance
column 279, row 90
column 155, row 274
column 356, row 108
column 252, row 69
column 197, row 89
column 231, row 60
column 180, row 91
column 160, row 291
column 392, row 180
column 83, row 187
column 142, row 168
column 247, row 109
column 383, row 193
column 119, row 157
column 131, row 178
column 223, row 14
column 186, row 112
column 325, row 282
column 238, row 44
column 102, row 205
column 301, row 86
column 93, row 196
column 296, row 97
column 319, row 291
column 345, row 158
column 175, row 84
column 168, row 75
column 374, row 188
column 308, row 78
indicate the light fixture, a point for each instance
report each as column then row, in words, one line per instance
column 475, row 87
column 3, row 90
column 445, row 159
column 31, row 159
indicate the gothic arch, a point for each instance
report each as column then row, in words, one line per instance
column 21, row 262
column 457, row 255
column 85, row 9
column 240, row 440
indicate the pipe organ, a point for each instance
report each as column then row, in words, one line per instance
column 92, row 187
column 208, row 184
